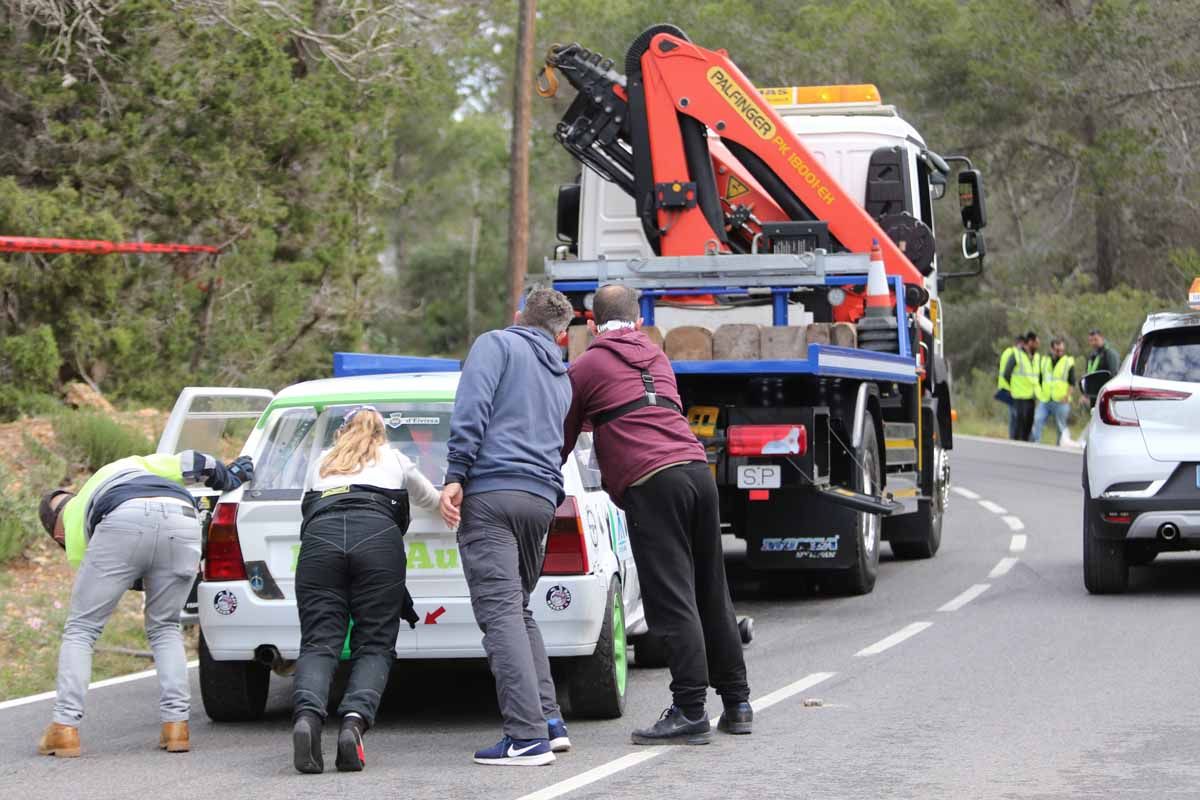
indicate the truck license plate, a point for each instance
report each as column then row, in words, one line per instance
column 759, row 476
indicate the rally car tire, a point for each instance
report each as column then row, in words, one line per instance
column 232, row 691
column 597, row 683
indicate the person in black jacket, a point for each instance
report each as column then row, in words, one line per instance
column 352, row 564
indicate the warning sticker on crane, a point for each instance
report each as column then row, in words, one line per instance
column 735, row 189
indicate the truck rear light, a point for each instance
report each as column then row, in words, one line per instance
column 223, row 552
column 767, row 440
column 1116, row 404
column 566, row 549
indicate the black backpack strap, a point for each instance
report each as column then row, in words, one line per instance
column 649, row 398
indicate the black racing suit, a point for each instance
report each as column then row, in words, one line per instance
column 351, row 566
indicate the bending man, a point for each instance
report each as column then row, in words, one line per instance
column 656, row 470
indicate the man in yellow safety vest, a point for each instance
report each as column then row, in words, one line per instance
column 1003, row 389
column 1054, row 390
column 1023, row 380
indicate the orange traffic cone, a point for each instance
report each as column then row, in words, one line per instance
column 1194, row 294
column 879, row 299
column 877, row 329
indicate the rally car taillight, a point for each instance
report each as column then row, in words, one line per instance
column 223, row 552
column 1115, row 406
column 566, row 549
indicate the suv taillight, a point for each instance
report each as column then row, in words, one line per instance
column 767, row 440
column 566, row 549
column 223, row 552
column 1112, row 408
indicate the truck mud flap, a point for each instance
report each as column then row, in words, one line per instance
column 800, row 530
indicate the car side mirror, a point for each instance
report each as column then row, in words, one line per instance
column 1093, row 382
column 973, row 245
column 970, row 199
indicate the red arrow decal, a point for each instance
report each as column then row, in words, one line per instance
column 431, row 617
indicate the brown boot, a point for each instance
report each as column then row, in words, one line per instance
column 174, row 737
column 59, row 740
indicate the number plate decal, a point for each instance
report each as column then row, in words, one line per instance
column 759, row 476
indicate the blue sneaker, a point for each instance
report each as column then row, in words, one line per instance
column 559, row 742
column 516, row 753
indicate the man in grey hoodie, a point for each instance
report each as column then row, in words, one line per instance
column 503, row 483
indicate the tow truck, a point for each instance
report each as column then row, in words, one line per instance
column 746, row 218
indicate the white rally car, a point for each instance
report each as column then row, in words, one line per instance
column 587, row 601
column 1141, row 471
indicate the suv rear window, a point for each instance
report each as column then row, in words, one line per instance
column 298, row 436
column 1170, row 355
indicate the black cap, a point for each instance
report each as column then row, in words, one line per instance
column 47, row 512
column 1095, row 332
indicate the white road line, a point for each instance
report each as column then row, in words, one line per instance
column 1013, row 522
column 644, row 754
column 1002, row 567
column 967, row 493
column 135, row 676
column 992, row 507
column 966, row 597
column 896, row 638
column 1019, row 541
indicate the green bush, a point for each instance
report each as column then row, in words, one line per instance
column 30, row 361
column 18, row 515
column 97, row 440
column 16, row 403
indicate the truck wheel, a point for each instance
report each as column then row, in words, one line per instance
column 232, row 691
column 650, row 651
column 597, row 682
column 860, row 579
column 1105, row 570
column 919, row 535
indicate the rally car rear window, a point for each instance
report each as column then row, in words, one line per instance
column 418, row 430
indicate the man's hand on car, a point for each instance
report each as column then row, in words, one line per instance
column 451, row 504
column 227, row 477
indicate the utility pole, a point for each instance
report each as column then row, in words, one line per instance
column 518, row 168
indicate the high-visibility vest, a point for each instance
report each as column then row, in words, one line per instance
column 1055, row 386
column 1005, row 357
column 1024, row 377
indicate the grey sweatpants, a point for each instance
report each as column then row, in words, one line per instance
column 502, row 541
column 147, row 539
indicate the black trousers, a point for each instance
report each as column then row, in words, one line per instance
column 675, row 532
column 1024, row 409
column 351, row 564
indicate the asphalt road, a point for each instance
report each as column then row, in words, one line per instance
column 929, row 687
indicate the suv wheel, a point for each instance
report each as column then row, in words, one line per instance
column 597, row 682
column 1105, row 568
column 232, row 691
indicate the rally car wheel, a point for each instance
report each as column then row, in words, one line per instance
column 232, row 691
column 597, row 682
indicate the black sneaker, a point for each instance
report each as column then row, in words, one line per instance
column 736, row 719
column 350, row 754
column 674, row 728
column 306, row 743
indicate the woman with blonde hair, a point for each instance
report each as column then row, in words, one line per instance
column 352, row 565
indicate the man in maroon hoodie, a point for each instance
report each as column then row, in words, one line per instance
column 655, row 469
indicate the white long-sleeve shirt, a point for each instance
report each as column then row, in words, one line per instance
column 391, row 470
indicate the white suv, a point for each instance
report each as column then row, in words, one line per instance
column 586, row 603
column 1141, row 471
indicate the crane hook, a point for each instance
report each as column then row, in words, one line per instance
column 546, row 82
